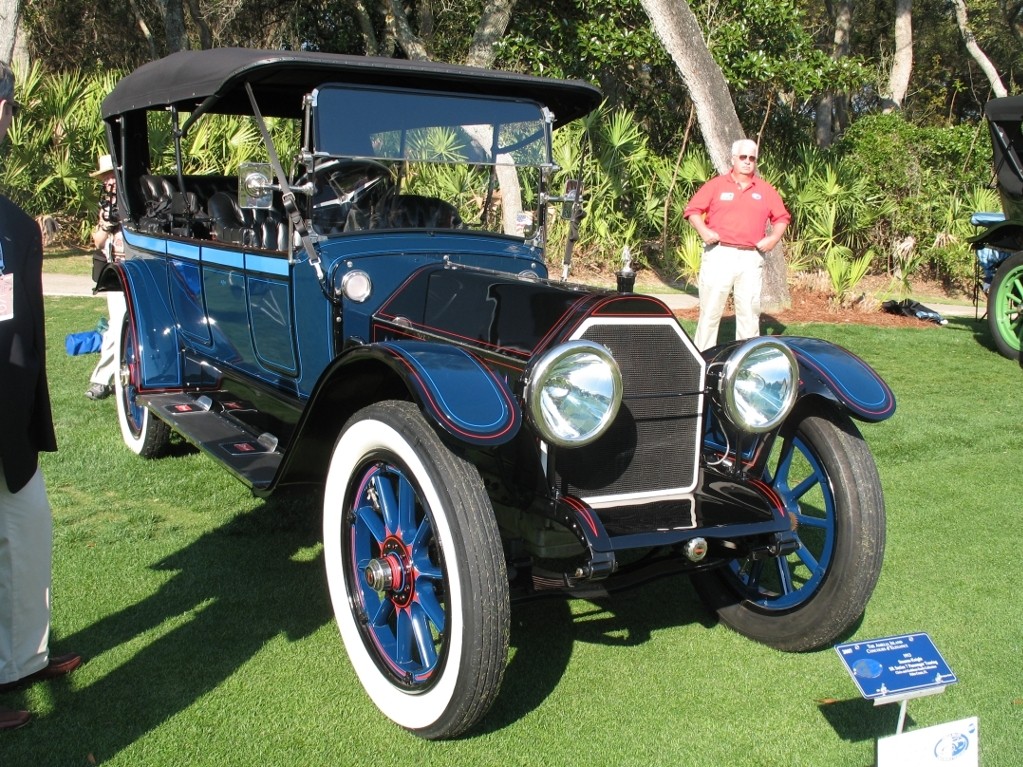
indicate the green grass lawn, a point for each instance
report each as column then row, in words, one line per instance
column 209, row 639
column 68, row 261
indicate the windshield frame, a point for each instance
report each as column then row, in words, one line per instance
column 393, row 124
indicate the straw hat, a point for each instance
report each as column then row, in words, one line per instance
column 106, row 165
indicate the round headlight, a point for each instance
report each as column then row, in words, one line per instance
column 573, row 392
column 356, row 286
column 758, row 387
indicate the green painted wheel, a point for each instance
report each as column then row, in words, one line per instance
column 1005, row 306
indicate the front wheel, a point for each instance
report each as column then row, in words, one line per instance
column 416, row 572
column 1005, row 306
column 143, row 433
column 826, row 477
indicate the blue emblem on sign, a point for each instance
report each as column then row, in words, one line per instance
column 867, row 668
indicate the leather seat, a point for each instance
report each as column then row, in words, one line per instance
column 252, row 228
column 407, row 211
column 417, row 212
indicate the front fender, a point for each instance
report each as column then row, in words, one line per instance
column 830, row 371
column 1003, row 235
column 457, row 391
column 454, row 389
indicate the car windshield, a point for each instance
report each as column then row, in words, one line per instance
column 390, row 124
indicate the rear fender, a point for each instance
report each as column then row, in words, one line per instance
column 828, row 370
column 144, row 284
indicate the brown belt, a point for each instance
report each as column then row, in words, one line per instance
column 738, row 247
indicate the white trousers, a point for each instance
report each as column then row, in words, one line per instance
column 26, row 559
column 725, row 270
column 110, row 351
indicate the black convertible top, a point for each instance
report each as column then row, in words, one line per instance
column 279, row 79
column 1006, row 108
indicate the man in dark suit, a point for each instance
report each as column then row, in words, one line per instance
column 26, row 429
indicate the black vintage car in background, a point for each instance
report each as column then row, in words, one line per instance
column 999, row 244
column 365, row 308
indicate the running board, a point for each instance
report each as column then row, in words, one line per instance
column 206, row 422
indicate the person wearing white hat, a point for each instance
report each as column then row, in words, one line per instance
column 109, row 247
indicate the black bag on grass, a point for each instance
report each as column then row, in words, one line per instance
column 910, row 308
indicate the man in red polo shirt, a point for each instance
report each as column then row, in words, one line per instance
column 731, row 213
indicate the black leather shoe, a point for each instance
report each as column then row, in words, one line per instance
column 58, row 666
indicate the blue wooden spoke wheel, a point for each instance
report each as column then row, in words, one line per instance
column 823, row 471
column 416, row 572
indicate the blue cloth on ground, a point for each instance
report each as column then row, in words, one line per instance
column 87, row 342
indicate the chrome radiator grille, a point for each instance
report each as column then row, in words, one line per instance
column 651, row 452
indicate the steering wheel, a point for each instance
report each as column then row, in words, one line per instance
column 342, row 185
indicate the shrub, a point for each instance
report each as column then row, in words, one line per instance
column 926, row 178
column 52, row 147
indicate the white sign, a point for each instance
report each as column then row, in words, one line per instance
column 955, row 744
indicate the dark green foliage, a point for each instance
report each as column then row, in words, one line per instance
column 923, row 174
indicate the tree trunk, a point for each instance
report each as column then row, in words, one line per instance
column 144, row 28
column 205, row 34
column 20, row 55
column 824, row 133
column 482, row 53
column 679, row 32
column 978, row 55
column 491, row 28
column 369, row 37
column 774, row 288
column 832, row 114
column 174, row 25
column 398, row 23
column 10, row 17
column 843, row 36
column 902, row 61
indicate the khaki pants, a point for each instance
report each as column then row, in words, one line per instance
column 26, row 558
column 724, row 270
column 110, row 351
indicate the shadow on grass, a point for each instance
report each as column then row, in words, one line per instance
column 858, row 720
column 234, row 589
column 544, row 632
column 979, row 329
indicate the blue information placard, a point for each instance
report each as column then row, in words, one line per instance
column 893, row 667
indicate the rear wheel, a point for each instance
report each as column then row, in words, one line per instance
column 143, row 432
column 416, row 572
column 1005, row 306
column 827, row 479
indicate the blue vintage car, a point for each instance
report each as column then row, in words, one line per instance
column 365, row 309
